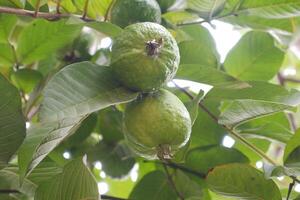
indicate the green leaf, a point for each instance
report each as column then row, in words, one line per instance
column 83, row 132
column 239, row 111
column 33, row 3
column 241, row 181
column 187, row 187
column 86, row 88
column 198, row 47
column 292, row 151
column 6, row 55
column 106, row 28
column 206, row 9
column 208, row 75
column 95, row 8
column 75, row 182
column 203, row 159
column 275, row 127
column 12, row 123
column 254, row 57
column 41, row 139
column 153, row 185
column 68, row 6
column 116, row 159
column 7, row 23
column 41, row 38
column 268, row 9
column 177, row 17
column 13, row 3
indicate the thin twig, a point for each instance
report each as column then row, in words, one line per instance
column 108, row 10
column 8, row 191
column 29, row 13
column 172, row 182
column 291, row 185
column 37, row 8
column 85, row 10
column 58, row 6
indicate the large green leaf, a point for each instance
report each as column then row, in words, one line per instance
column 275, row 127
column 6, row 55
column 154, row 185
column 41, row 38
column 241, row 181
column 273, row 9
column 206, row 8
column 95, row 8
column 292, row 151
column 7, row 23
column 254, row 57
column 12, row 122
column 208, row 75
column 13, row 3
column 75, row 182
column 80, row 89
column 205, row 158
column 106, row 28
column 239, row 111
column 41, row 139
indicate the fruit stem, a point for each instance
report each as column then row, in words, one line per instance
column 153, row 46
column 164, row 152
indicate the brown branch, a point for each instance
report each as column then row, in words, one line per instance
column 172, row 182
column 58, row 6
column 29, row 13
column 85, row 10
column 8, row 191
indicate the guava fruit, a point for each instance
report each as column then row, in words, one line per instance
column 145, row 56
column 157, row 125
column 126, row 12
column 165, row 4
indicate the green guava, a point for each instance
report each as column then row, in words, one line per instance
column 145, row 56
column 126, row 12
column 157, row 125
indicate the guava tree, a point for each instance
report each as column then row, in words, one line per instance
column 93, row 104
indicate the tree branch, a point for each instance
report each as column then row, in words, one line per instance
column 172, row 182
column 29, row 13
column 8, row 191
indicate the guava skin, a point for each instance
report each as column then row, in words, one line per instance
column 126, row 12
column 145, row 56
column 157, row 123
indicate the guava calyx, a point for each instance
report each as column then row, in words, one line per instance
column 164, row 152
column 153, row 47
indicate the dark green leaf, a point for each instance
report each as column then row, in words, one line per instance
column 154, row 185
column 205, row 158
column 105, row 28
column 206, row 8
column 12, row 122
column 7, row 23
column 292, row 151
column 241, row 181
column 6, row 55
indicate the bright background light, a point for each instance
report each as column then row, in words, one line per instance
column 98, row 165
column 67, row 155
column 103, row 187
column 259, row 164
column 228, row 141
